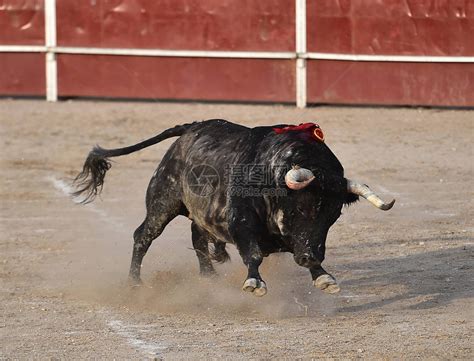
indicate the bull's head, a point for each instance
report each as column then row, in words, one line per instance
column 317, row 208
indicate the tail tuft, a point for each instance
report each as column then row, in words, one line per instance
column 90, row 181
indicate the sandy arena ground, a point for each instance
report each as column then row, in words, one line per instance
column 406, row 275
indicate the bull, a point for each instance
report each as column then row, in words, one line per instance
column 265, row 189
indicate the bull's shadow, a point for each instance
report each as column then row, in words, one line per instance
column 419, row 280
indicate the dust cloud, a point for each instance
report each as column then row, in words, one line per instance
column 98, row 266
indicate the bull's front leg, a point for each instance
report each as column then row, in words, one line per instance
column 323, row 280
column 245, row 233
column 252, row 257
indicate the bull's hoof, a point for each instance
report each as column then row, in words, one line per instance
column 257, row 287
column 134, row 282
column 327, row 283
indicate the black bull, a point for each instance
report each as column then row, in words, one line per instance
column 262, row 191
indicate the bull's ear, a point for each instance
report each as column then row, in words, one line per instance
column 350, row 198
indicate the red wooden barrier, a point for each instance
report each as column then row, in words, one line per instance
column 419, row 28
column 22, row 74
column 410, row 27
column 244, row 25
column 432, row 84
column 177, row 78
column 391, row 27
column 22, row 23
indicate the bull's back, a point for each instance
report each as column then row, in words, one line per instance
column 209, row 150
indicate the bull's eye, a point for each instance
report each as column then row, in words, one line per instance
column 308, row 211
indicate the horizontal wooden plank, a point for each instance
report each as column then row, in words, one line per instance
column 422, row 27
column 176, row 78
column 341, row 82
column 22, row 22
column 244, row 25
column 22, row 74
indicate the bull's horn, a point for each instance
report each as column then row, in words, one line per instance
column 365, row 192
column 298, row 178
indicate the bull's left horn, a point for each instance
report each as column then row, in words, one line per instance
column 298, row 178
column 365, row 192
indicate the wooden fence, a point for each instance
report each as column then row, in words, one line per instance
column 413, row 52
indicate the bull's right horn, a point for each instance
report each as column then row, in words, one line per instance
column 365, row 192
column 298, row 178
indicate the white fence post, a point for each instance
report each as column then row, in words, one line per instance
column 50, row 37
column 301, row 86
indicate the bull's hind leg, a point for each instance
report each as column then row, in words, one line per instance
column 219, row 253
column 201, row 246
column 144, row 235
column 162, row 206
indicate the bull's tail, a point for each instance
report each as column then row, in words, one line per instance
column 90, row 181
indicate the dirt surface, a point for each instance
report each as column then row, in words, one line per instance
column 406, row 275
